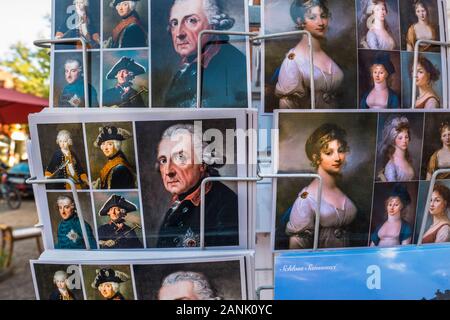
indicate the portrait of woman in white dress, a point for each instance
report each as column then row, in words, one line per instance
column 327, row 149
column 376, row 33
column 396, row 158
column 293, row 85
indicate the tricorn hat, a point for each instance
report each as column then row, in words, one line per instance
column 384, row 59
column 111, row 133
column 400, row 191
column 116, row 2
column 117, row 201
column 108, row 275
column 128, row 64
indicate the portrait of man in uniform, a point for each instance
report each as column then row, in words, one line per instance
column 69, row 234
column 223, row 64
column 182, row 170
column 72, row 95
column 122, row 94
column 65, row 164
column 78, row 19
column 116, row 233
column 117, row 172
column 108, row 282
column 124, row 26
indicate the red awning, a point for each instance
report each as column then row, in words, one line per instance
column 15, row 106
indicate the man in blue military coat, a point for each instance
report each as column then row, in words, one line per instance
column 69, row 231
column 116, row 234
column 224, row 66
column 182, row 171
column 122, row 94
column 72, row 95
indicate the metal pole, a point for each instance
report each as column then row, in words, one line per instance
column 428, row 203
column 311, row 56
column 319, row 198
column 416, row 62
column 45, row 44
column 199, row 56
column 202, row 200
column 34, row 180
column 262, row 288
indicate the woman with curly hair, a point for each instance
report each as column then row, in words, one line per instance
column 441, row 158
column 427, row 75
column 327, row 149
column 394, row 149
column 439, row 231
column 379, row 35
column 395, row 230
column 293, row 86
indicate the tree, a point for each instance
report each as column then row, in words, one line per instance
column 31, row 67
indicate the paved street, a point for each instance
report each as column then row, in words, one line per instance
column 19, row 286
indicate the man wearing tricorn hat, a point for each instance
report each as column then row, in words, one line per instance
column 123, row 95
column 116, row 234
column 129, row 32
column 108, row 281
column 182, row 171
column 117, row 173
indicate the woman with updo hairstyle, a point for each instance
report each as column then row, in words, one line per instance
column 327, row 149
column 427, row 75
column 439, row 231
column 441, row 158
column 293, row 86
column 379, row 35
column 394, row 149
column 422, row 29
column 395, row 230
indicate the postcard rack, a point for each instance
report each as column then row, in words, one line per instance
column 134, row 261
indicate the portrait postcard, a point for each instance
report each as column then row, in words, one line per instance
column 377, row 35
column 172, row 167
column 125, row 24
column 68, row 79
column 66, row 220
column 125, row 79
column 108, row 282
column 63, row 155
column 57, row 281
column 175, row 28
column 373, row 166
column 401, row 273
column 77, row 19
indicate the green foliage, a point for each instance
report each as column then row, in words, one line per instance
column 31, row 67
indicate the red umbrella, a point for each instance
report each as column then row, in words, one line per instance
column 15, row 106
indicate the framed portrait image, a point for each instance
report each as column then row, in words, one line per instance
column 142, row 173
column 348, row 33
column 147, row 276
column 68, row 79
column 77, row 19
column 175, row 27
column 57, row 281
column 374, row 167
